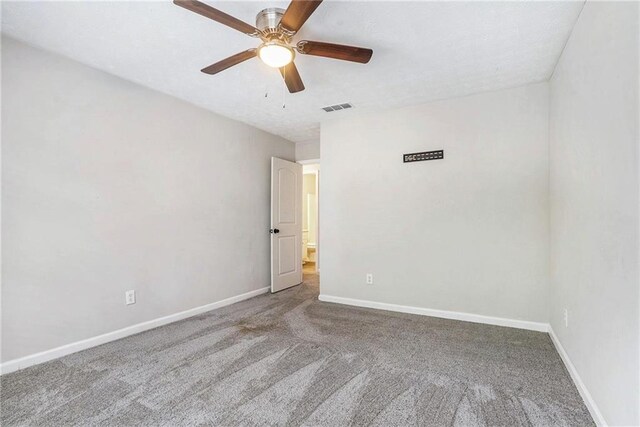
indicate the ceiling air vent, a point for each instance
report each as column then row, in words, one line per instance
column 337, row 107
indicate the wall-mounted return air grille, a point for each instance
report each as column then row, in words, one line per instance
column 422, row 156
column 337, row 107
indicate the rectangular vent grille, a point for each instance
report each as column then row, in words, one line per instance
column 422, row 156
column 337, row 107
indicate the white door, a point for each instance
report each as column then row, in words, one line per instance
column 286, row 224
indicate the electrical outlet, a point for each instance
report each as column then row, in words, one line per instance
column 566, row 318
column 369, row 279
column 130, row 297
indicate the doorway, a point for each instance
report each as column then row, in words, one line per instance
column 310, row 218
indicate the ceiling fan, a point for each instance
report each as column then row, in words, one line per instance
column 276, row 27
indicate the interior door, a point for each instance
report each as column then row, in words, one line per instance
column 286, row 224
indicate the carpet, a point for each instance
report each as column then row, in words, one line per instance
column 288, row 359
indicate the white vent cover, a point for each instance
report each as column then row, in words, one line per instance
column 337, row 107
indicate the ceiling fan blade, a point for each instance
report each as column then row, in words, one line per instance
column 229, row 62
column 292, row 78
column 297, row 14
column 335, row 51
column 218, row 16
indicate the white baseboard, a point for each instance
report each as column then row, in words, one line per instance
column 455, row 315
column 45, row 356
column 582, row 389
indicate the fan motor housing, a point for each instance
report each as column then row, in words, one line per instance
column 268, row 19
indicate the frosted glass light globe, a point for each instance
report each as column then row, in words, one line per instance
column 275, row 54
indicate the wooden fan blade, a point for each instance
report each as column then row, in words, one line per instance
column 218, row 16
column 292, row 78
column 229, row 62
column 297, row 14
column 335, row 51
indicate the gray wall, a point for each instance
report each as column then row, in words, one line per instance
column 108, row 186
column 594, row 206
column 468, row 233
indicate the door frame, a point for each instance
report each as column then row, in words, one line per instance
column 317, row 174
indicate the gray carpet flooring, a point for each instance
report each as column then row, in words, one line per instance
column 288, row 359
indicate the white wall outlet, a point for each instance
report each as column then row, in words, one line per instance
column 566, row 318
column 130, row 297
column 369, row 279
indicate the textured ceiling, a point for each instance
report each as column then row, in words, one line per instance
column 422, row 51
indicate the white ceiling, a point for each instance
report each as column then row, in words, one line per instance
column 422, row 51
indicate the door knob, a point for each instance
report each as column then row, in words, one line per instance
column 274, row 231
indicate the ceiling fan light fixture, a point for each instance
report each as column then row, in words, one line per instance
column 275, row 54
column 275, row 28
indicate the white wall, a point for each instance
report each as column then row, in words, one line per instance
column 594, row 206
column 108, row 186
column 308, row 150
column 468, row 233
